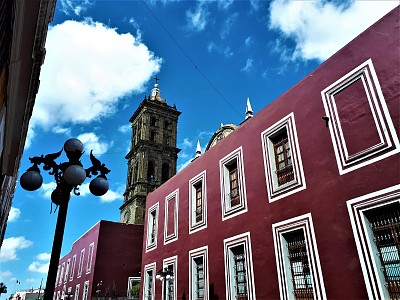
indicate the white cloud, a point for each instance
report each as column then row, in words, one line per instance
column 125, row 128
column 75, row 7
column 4, row 275
column 91, row 142
column 47, row 188
column 14, row 214
column 320, row 28
column 248, row 41
column 111, row 196
column 43, row 256
column 248, row 66
column 227, row 51
column 227, row 26
column 186, row 144
column 11, row 246
column 61, row 130
column 224, row 4
column 255, row 4
column 88, row 69
column 39, row 267
column 197, row 20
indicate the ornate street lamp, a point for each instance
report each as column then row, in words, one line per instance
column 68, row 176
column 98, row 291
column 166, row 275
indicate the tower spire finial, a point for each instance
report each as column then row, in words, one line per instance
column 249, row 110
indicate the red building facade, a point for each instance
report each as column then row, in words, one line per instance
column 101, row 262
column 300, row 201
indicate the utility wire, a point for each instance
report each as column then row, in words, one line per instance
column 190, row 60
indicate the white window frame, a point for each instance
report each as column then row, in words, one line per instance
column 58, row 295
column 298, row 184
column 149, row 267
column 173, row 260
column 194, row 254
column 60, row 281
column 77, row 287
column 174, row 236
column 73, row 268
column 81, row 260
column 367, row 250
column 67, row 270
column 152, row 245
column 193, row 225
column 228, row 211
column 232, row 242
column 389, row 142
column 131, row 281
column 58, row 274
column 89, row 258
column 305, row 223
column 85, row 293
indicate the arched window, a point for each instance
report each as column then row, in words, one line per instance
column 165, row 172
column 150, row 171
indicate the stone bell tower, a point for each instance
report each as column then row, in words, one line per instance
column 153, row 153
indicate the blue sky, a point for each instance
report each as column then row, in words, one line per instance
column 210, row 57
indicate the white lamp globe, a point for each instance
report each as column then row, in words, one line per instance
column 74, row 175
column 98, row 186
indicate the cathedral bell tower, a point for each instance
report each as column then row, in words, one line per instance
column 153, row 153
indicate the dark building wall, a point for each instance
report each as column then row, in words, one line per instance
column 326, row 189
column 119, row 255
column 116, row 257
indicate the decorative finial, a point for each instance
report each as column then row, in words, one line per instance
column 249, row 110
column 222, row 125
column 156, row 79
column 198, row 150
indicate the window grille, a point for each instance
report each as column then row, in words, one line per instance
column 385, row 225
column 240, row 276
column 283, row 158
column 170, row 284
column 233, row 185
column 149, row 288
column 199, row 202
column 299, row 265
column 153, row 227
column 199, row 278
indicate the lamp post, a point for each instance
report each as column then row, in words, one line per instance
column 68, row 176
column 165, row 275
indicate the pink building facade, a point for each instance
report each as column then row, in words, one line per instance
column 300, row 201
column 101, row 263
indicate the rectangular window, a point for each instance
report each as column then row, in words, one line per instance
column 283, row 158
column 85, row 290
column 62, row 273
column 73, row 267
column 67, row 271
column 283, row 166
column 89, row 258
column 198, row 273
column 375, row 220
column 152, row 227
column 58, row 275
column 76, row 296
column 197, row 203
column 233, row 191
column 170, row 264
column 297, row 259
column 81, row 258
column 133, row 288
column 233, row 184
column 171, row 217
column 299, row 265
column 58, row 295
column 239, row 274
column 149, row 284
